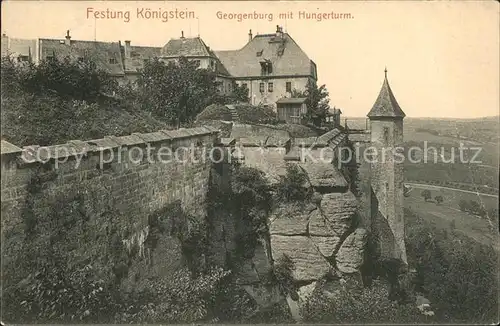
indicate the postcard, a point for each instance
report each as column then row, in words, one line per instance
column 244, row 162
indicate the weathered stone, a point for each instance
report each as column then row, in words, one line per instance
column 326, row 245
column 323, row 174
column 310, row 265
column 350, row 255
column 290, row 220
column 306, row 291
column 339, row 210
column 319, row 225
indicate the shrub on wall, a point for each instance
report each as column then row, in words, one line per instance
column 293, row 187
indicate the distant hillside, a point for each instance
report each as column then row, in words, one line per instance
column 446, row 135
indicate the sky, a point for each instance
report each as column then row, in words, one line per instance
column 442, row 57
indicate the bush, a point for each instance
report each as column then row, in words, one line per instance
column 293, row 187
column 255, row 114
column 368, row 305
column 215, row 112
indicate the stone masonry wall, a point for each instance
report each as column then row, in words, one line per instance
column 110, row 183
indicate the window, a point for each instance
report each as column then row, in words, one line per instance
column 259, row 54
column 80, row 59
column 266, row 67
column 198, row 62
column 270, row 87
column 212, row 64
column 112, row 61
column 244, row 85
column 289, row 87
column 386, row 134
column 23, row 58
column 261, row 87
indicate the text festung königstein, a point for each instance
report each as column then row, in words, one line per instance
column 140, row 13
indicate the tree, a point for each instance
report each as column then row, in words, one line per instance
column 316, row 100
column 238, row 94
column 176, row 92
column 439, row 199
column 426, row 194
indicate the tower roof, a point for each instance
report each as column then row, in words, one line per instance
column 386, row 105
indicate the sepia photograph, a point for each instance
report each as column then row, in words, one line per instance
column 250, row 162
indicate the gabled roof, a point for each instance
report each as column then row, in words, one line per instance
column 187, row 47
column 100, row 52
column 137, row 56
column 386, row 105
column 286, row 56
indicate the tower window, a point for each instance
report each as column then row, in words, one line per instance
column 386, row 134
column 261, row 87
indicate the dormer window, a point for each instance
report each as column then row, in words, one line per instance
column 259, row 54
column 112, row 61
column 266, row 67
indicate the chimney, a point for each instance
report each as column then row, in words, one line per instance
column 182, row 34
column 127, row 49
column 250, row 36
column 68, row 38
column 279, row 31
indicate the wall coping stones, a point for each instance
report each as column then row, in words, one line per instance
column 77, row 147
column 130, row 140
column 256, row 141
column 329, row 136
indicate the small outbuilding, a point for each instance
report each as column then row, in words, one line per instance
column 291, row 110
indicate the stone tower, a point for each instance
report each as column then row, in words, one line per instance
column 386, row 124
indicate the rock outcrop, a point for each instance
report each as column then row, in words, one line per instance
column 312, row 235
column 350, row 256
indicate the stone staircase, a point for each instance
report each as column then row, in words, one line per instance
column 234, row 112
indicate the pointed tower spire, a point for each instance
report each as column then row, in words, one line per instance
column 386, row 105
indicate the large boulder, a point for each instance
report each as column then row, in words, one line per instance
column 339, row 210
column 290, row 219
column 350, row 256
column 322, row 235
column 310, row 265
